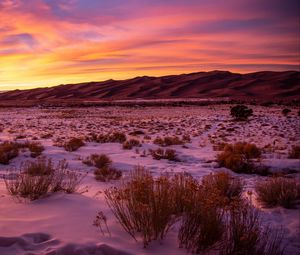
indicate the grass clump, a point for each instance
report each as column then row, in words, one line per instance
column 107, row 173
column 116, row 137
column 143, row 206
column 35, row 148
column 73, row 144
column 168, row 141
column 160, row 153
column 246, row 234
column 39, row 178
column 278, row 191
column 104, row 172
column 8, row 151
column 128, row 145
column 98, row 160
column 295, row 152
column 239, row 157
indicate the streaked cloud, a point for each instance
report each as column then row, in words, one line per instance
column 49, row 42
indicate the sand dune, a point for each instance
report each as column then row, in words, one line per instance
column 215, row 84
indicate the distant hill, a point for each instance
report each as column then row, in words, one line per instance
column 215, row 84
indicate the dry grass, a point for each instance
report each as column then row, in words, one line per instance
column 143, row 206
column 116, row 137
column 246, row 234
column 224, row 185
column 128, row 145
column 168, row 141
column 35, row 148
column 160, row 153
column 239, row 157
column 40, row 178
column 278, row 191
column 107, row 173
column 73, row 144
column 295, row 152
column 98, row 160
column 8, row 151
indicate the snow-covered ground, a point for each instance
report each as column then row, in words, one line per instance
column 62, row 223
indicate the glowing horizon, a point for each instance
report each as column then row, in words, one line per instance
column 52, row 42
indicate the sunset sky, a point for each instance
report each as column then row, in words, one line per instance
column 51, row 42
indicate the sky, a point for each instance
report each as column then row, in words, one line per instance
column 52, row 42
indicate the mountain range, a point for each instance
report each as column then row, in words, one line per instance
column 215, row 84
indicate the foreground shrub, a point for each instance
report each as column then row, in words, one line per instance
column 238, row 157
column 128, row 145
column 295, row 152
column 160, row 153
column 241, row 112
column 98, row 160
column 73, row 144
column 202, row 226
column 38, row 179
column 278, row 191
column 246, row 234
column 224, row 185
column 8, row 151
column 143, row 205
column 107, row 173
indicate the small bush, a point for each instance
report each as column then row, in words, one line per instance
column 8, row 151
column 278, row 191
column 98, row 160
column 224, row 185
column 73, row 144
column 38, row 179
column 246, row 234
column 107, row 173
column 295, row 152
column 202, row 226
column 238, row 157
column 285, row 111
column 128, row 145
column 116, row 137
column 35, row 148
column 241, row 112
column 143, row 205
column 168, row 140
column 159, row 154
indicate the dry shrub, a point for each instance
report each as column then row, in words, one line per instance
column 246, row 234
column 128, row 145
column 184, row 189
column 241, row 112
column 295, row 152
column 239, row 157
column 38, row 179
column 116, row 137
column 223, row 184
column 278, row 191
column 143, row 205
column 8, row 151
column 214, row 225
column 107, row 173
column 98, row 160
column 35, row 148
column 168, row 140
column 202, row 226
column 73, row 144
column 160, row 153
